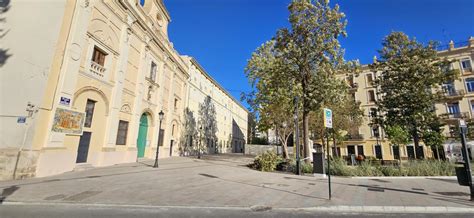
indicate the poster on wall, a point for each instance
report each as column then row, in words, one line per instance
column 68, row 121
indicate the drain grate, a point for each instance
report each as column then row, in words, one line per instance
column 82, row 196
column 452, row 193
column 208, row 175
column 55, row 197
column 375, row 189
column 380, row 180
column 260, row 208
column 418, row 189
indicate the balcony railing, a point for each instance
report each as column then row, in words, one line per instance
column 461, row 115
column 454, row 93
column 354, row 137
column 97, row 69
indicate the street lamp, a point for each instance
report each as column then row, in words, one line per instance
column 161, row 115
column 200, row 141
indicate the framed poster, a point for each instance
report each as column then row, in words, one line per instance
column 68, row 121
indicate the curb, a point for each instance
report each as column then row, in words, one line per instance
column 255, row 208
column 404, row 177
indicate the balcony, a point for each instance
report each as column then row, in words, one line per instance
column 97, row 69
column 454, row 94
column 353, row 87
column 354, row 137
column 455, row 116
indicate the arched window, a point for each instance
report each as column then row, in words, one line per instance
column 142, row 2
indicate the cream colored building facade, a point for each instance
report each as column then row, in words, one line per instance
column 231, row 115
column 459, row 103
column 94, row 75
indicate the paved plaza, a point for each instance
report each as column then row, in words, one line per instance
column 224, row 181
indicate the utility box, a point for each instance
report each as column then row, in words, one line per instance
column 461, row 174
column 318, row 163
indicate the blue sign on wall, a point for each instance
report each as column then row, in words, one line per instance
column 65, row 101
column 21, row 120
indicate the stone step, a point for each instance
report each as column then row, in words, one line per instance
column 82, row 167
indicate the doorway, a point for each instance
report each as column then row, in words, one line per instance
column 142, row 132
column 171, row 147
column 83, row 148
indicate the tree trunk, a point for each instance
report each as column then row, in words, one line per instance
column 285, row 148
column 307, row 149
column 437, row 153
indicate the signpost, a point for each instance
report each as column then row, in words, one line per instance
column 328, row 125
column 465, row 154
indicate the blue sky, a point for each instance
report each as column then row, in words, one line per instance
column 222, row 34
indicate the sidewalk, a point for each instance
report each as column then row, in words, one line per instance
column 225, row 181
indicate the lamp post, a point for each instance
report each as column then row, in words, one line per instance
column 161, row 115
column 200, row 141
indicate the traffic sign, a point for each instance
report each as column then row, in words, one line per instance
column 327, row 118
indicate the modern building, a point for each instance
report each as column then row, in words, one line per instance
column 459, row 103
column 86, row 86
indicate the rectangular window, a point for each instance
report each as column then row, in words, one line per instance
column 175, row 104
column 371, row 96
column 122, row 133
column 453, row 108
column 89, row 113
column 153, row 71
column 360, row 150
column 370, row 79
column 99, row 56
column 472, row 105
column 373, row 113
column 470, row 84
column 466, row 65
column 448, row 88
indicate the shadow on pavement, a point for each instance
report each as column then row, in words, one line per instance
column 7, row 192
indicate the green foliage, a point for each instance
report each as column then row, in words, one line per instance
column 267, row 161
column 410, row 78
column 412, row 168
column 259, row 141
column 299, row 61
column 397, row 135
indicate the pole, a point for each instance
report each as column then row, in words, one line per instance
column 329, row 162
column 199, row 144
column 158, row 147
column 297, row 137
column 467, row 162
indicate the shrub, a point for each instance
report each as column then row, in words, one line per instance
column 267, row 161
column 339, row 167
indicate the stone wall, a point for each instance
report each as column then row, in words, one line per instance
column 259, row 149
column 25, row 168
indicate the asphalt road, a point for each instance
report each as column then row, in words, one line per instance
column 78, row 211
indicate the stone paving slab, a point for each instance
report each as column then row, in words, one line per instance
column 225, row 181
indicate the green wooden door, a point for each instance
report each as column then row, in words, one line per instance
column 142, row 131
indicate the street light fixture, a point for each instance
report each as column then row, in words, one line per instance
column 161, row 116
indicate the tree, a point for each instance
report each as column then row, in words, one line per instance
column 208, row 123
column 303, row 58
column 189, row 133
column 433, row 137
column 410, row 75
column 347, row 117
column 398, row 136
column 272, row 98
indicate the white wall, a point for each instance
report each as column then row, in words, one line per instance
column 30, row 31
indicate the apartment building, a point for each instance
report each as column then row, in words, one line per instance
column 86, row 86
column 370, row 140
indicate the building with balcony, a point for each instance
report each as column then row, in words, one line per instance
column 458, row 103
column 88, row 88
